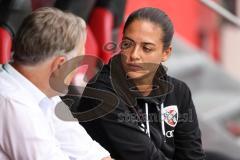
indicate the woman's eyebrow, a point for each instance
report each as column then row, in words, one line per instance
column 125, row 37
column 144, row 43
column 148, row 43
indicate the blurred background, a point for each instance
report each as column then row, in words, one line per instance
column 205, row 54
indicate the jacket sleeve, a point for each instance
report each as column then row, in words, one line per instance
column 187, row 133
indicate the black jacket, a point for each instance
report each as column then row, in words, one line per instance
column 137, row 132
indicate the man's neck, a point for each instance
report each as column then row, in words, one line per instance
column 37, row 75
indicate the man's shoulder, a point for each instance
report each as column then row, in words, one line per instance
column 11, row 91
column 9, row 87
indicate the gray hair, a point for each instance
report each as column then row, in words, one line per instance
column 47, row 32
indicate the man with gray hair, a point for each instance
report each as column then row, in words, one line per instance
column 29, row 128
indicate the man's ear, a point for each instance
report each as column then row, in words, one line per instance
column 166, row 53
column 58, row 62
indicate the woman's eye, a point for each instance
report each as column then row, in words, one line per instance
column 146, row 49
column 126, row 44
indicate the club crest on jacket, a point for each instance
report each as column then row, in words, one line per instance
column 170, row 114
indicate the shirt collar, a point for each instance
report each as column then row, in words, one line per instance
column 39, row 96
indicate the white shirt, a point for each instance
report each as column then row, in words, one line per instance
column 30, row 130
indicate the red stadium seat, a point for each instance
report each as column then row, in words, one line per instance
column 91, row 44
column 105, row 18
column 101, row 22
column 12, row 12
column 5, row 45
column 42, row 3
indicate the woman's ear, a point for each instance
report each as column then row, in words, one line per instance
column 166, row 53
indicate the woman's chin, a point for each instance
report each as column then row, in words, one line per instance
column 136, row 74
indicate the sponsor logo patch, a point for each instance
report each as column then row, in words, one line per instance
column 170, row 134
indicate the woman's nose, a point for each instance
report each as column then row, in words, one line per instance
column 135, row 53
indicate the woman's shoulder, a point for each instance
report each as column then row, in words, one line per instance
column 180, row 91
column 102, row 79
column 177, row 83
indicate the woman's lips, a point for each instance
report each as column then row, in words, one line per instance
column 134, row 67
